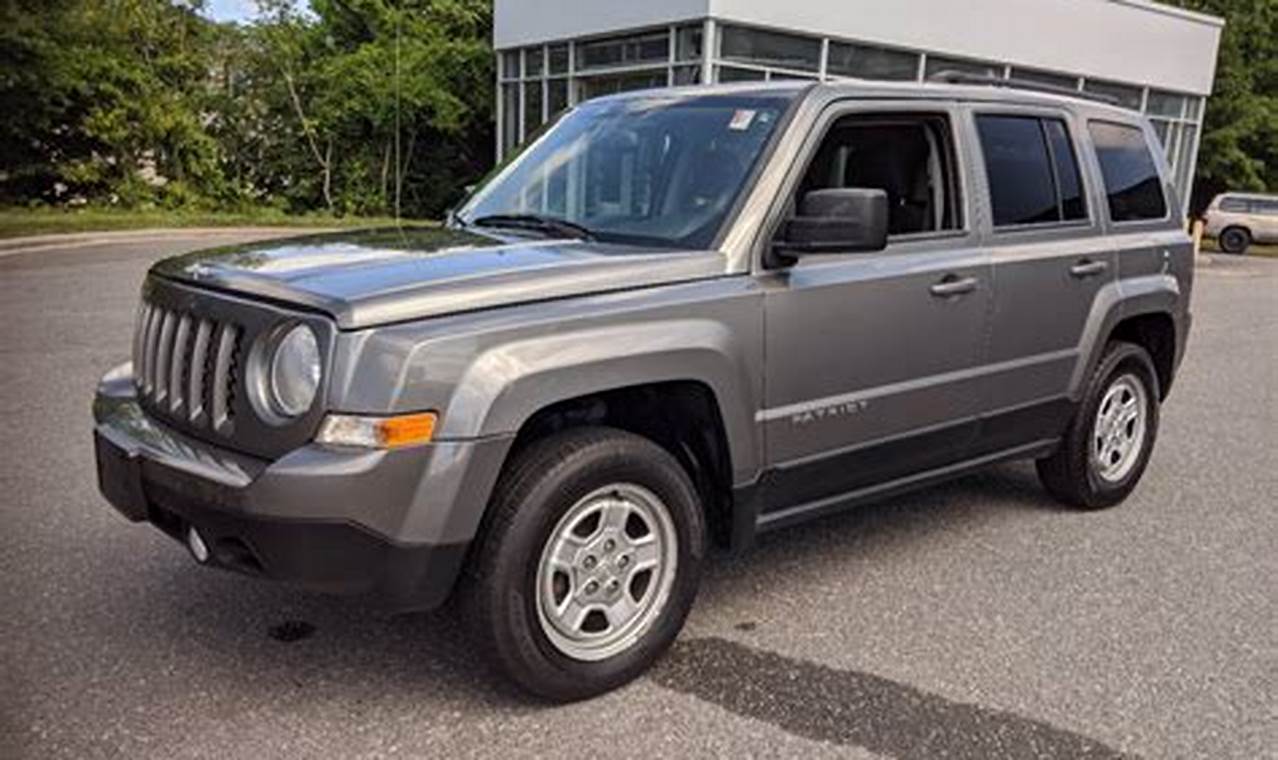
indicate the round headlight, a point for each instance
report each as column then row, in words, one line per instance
column 295, row 372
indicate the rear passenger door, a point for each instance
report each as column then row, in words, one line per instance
column 1051, row 260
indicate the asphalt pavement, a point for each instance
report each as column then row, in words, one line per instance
column 972, row 620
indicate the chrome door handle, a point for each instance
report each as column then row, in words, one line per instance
column 1088, row 268
column 954, row 285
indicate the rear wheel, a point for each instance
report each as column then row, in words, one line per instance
column 588, row 565
column 1109, row 441
column 1235, row 240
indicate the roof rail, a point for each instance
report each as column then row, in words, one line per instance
column 950, row 76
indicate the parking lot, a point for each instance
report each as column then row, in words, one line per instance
column 972, row 620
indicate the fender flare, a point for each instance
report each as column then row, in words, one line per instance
column 1116, row 302
column 507, row 384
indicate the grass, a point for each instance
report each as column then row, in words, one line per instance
column 20, row 222
column 1268, row 251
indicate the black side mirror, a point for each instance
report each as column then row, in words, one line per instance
column 839, row 220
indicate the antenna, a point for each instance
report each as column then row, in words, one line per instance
column 950, row 76
column 399, row 178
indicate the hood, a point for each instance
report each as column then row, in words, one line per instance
column 372, row 277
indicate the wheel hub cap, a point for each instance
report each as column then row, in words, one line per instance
column 606, row 572
column 1118, row 434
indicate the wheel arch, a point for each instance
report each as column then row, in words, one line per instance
column 683, row 383
column 1139, row 310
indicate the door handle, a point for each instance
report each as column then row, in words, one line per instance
column 953, row 285
column 1088, row 268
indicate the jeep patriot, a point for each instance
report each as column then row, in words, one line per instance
column 674, row 320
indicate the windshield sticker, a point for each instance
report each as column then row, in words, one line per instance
column 741, row 120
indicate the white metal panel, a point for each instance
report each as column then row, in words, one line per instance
column 1136, row 42
column 523, row 22
column 1132, row 41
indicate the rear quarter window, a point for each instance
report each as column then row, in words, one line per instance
column 1234, row 205
column 1132, row 183
column 1265, row 208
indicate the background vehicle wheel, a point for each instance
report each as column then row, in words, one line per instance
column 588, row 564
column 1235, row 240
column 1109, row 441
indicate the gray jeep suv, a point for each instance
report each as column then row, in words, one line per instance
column 675, row 319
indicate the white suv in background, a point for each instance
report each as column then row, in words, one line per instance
column 1237, row 220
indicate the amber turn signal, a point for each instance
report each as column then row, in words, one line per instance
column 377, row 432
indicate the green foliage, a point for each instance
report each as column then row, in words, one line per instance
column 1240, row 139
column 359, row 107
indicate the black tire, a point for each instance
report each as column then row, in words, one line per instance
column 537, row 488
column 1235, row 240
column 1071, row 474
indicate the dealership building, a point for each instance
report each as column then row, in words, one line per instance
column 1150, row 57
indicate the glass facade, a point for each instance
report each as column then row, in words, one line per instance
column 538, row 82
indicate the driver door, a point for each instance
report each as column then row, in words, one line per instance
column 873, row 359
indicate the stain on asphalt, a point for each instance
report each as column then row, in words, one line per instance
column 291, row 631
column 851, row 708
column 747, row 626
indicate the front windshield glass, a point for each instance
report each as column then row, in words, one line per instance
column 657, row 171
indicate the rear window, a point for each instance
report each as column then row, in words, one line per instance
column 1132, row 183
column 1032, row 170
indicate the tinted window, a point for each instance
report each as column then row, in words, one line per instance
column 788, row 51
column 1068, row 181
column 1019, row 169
column 1131, row 178
column 1234, row 204
column 869, row 62
column 1268, row 208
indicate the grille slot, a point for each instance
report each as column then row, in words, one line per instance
column 185, row 367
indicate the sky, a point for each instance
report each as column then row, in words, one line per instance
column 238, row 10
column 230, row 10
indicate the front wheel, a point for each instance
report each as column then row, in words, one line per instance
column 1108, row 443
column 588, row 565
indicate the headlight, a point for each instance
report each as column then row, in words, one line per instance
column 295, row 372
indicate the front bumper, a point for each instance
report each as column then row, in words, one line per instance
column 395, row 524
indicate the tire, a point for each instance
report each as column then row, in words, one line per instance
column 1089, row 471
column 1235, row 240
column 541, row 512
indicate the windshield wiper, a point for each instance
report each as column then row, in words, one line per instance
column 548, row 225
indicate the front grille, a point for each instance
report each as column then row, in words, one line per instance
column 192, row 352
column 186, row 367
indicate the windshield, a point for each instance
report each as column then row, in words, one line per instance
column 647, row 171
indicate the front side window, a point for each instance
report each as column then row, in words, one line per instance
column 656, row 170
column 1132, row 182
column 1031, row 169
column 908, row 156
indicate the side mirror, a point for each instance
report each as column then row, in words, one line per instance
column 839, row 220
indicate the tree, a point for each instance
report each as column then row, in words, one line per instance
column 359, row 106
column 1239, row 149
column 104, row 99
